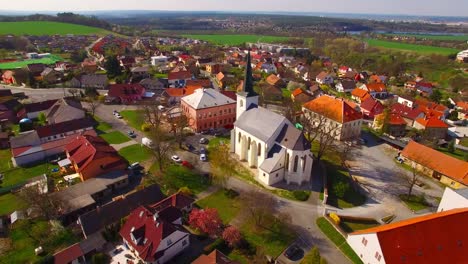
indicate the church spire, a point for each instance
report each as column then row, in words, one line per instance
column 248, row 81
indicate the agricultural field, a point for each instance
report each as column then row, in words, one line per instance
column 434, row 37
column 52, row 59
column 47, row 28
column 236, row 39
column 421, row 49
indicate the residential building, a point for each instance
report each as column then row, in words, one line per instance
column 359, row 95
column 324, row 78
column 125, row 93
column 453, row 199
column 179, row 78
column 111, row 213
column 65, row 109
column 174, row 95
column 8, row 77
column 376, row 89
column 51, row 76
column 10, row 109
column 406, row 101
column 140, row 72
column 152, row 85
column 214, row 68
column 275, row 81
column 215, row 257
column 208, row 109
column 433, row 127
column 462, row 56
column 396, row 125
column 80, row 252
column 89, row 66
column 345, row 86
column 158, row 60
column 268, row 141
column 34, row 109
column 98, row 81
column 300, row 96
column 371, row 107
column 433, row 238
column 444, row 168
column 92, row 156
column 409, row 114
column 336, row 115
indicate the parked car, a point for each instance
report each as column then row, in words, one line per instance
column 292, row 251
column 176, row 159
column 131, row 134
column 147, row 142
column 190, row 147
column 187, row 164
column 399, row 159
column 217, row 133
column 204, row 141
column 134, row 166
column 115, row 112
column 203, row 157
column 118, row 116
column 205, row 132
column 161, row 108
column 202, row 150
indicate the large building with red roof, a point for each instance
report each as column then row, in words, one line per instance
column 433, row 238
column 433, row 127
column 125, row 93
column 336, row 115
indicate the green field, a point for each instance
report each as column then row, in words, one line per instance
column 115, row 137
column 47, row 28
column 52, row 59
column 421, row 49
column 434, row 37
column 236, row 39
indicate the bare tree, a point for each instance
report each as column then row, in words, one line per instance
column 93, row 104
column 259, row 206
column 161, row 146
column 291, row 109
column 178, row 124
column 319, row 129
column 222, row 164
column 152, row 115
column 345, row 151
column 73, row 92
column 411, row 179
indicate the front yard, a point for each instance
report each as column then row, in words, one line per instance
column 414, row 202
column 102, row 126
column 115, row 137
column 227, row 207
column 136, row 153
column 134, row 118
column 176, row 176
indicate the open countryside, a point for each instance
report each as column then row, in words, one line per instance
column 433, row 37
column 236, row 39
column 421, row 49
column 46, row 28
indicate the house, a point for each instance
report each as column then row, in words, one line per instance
column 444, row 168
column 214, row 68
column 35, row 69
column 424, row 88
column 127, row 61
column 8, row 77
column 376, row 90
column 179, row 78
column 300, row 96
column 81, row 251
column 271, row 93
column 33, row 109
column 125, row 93
column 406, row 100
column 433, row 238
column 396, row 125
column 111, row 213
column 10, row 109
column 345, row 86
column 336, row 115
column 47, row 141
column 51, row 76
column 407, row 113
column 83, row 197
column 433, row 127
column 174, row 95
column 92, row 156
column 154, row 233
column 215, row 257
column 98, row 81
column 140, row 72
column 153, row 85
column 453, row 199
column 89, row 66
column 208, row 109
column 359, row 95
column 432, row 109
column 343, row 70
column 268, row 141
column 371, row 107
column 324, row 78
column 159, row 60
column 268, row 67
column 65, row 109
column 275, row 81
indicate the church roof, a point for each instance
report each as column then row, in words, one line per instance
column 260, row 122
column 292, row 138
column 275, row 153
column 248, row 89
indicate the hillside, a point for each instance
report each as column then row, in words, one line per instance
column 47, row 28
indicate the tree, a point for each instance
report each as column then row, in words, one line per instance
column 410, row 180
column 93, row 103
column 206, row 220
column 100, row 258
column 259, row 206
column 222, row 164
column 112, row 66
column 47, row 206
column 436, row 95
column 232, row 236
column 73, row 92
column 42, row 118
column 340, row 189
column 451, row 146
column 178, row 126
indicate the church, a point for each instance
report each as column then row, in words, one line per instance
column 268, row 141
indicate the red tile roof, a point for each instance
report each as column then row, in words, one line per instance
column 333, row 108
column 273, row 79
column 451, row 167
column 463, row 105
column 396, row 119
column 59, row 128
column 68, row 255
column 405, row 111
column 179, row 75
column 372, row 105
column 126, row 90
column 297, row 92
column 376, row 87
column 360, row 93
column 432, row 122
column 215, row 257
column 179, row 92
column 434, row 238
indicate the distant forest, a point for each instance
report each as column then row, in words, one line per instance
column 61, row 17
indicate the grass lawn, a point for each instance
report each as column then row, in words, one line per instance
column 161, row 75
column 351, row 225
column 435, row 37
column 236, row 39
column 459, row 154
column 176, row 176
column 10, row 203
column 115, row 137
column 136, row 153
column 415, row 203
column 5, row 159
column 102, row 126
column 337, row 239
column 21, row 174
column 20, row 64
column 47, row 28
column 464, row 142
column 134, row 118
column 227, row 208
column 421, row 49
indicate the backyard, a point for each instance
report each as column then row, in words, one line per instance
column 115, row 137
column 136, row 153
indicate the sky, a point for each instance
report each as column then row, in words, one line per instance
column 394, row 7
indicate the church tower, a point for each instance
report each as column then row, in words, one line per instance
column 247, row 98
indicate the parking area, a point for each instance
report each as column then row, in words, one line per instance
column 294, row 253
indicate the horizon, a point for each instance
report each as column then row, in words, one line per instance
column 363, row 7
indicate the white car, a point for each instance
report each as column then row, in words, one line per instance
column 118, row 116
column 203, row 157
column 176, row 159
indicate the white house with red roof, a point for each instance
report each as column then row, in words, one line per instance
column 434, row 238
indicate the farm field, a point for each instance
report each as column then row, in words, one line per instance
column 421, row 49
column 47, row 28
column 236, row 39
column 435, row 37
column 52, row 59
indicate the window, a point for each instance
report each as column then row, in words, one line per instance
column 259, row 149
column 287, row 161
column 277, row 175
column 304, row 163
column 241, row 103
column 264, row 174
column 296, row 160
column 229, row 110
column 378, row 256
column 239, row 137
column 220, row 112
column 248, row 144
column 364, row 241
